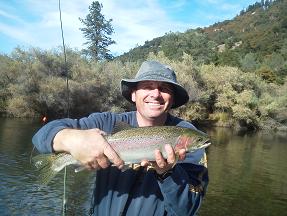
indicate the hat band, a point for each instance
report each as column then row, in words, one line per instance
column 155, row 76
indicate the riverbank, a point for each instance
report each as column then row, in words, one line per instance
column 269, row 125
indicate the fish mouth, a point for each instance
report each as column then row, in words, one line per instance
column 205, row 144
column 202, row 146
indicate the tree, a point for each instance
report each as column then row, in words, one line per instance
column 249, row 63
column 97, row 31
column 266, row 73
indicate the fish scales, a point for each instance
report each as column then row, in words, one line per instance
column 132, row 150
column 136, row 143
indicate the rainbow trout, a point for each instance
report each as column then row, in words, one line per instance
column 132, row 145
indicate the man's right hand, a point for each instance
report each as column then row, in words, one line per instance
column 87, row 146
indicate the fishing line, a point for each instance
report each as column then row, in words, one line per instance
column 64, row 203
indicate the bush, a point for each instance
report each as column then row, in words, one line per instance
column 217, row 93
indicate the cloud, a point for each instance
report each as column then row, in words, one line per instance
column 42, row 29
column 13, row 32
column 134, row 24
column 9, row 16
column 14, row 27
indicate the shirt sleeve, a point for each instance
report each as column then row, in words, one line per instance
column 183, row 191
column 43, row 139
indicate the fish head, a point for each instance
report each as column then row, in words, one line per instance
column 192, row 141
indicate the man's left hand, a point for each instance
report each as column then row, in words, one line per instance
column 161, row 164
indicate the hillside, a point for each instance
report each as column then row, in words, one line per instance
column 262, row 28
column 255, row 41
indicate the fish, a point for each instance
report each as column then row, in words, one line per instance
column 131, row 144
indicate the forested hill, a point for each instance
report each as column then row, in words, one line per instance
column 254, row 40
column 234, row 71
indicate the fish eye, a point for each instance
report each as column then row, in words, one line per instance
column 199, row 139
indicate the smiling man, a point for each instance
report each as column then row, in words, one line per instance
column 172, row 188
column 153, row 101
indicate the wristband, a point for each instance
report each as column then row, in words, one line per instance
column 161, row 177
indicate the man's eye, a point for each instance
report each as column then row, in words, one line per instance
column 165, row 89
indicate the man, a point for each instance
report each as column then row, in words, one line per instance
column 169, row 189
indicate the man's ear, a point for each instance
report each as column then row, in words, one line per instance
column 133, row 96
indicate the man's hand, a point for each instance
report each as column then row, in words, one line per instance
column 161, row 164
column 87, row 146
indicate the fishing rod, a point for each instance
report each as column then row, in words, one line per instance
column 64, row 203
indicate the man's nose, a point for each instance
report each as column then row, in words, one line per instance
column 155, row 92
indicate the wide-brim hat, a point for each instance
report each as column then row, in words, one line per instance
column 155, row 71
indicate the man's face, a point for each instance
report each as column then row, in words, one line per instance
column 152, row 98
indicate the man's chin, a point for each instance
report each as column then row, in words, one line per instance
column 155, row 111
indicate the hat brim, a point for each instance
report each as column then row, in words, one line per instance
column 180, row 94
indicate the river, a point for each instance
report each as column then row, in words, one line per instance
column 247, row 175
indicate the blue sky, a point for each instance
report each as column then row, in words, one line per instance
column 35, row 23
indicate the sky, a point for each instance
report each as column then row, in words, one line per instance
column 36, row 23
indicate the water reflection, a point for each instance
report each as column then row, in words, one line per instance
column 19, row 193
column 247, row 175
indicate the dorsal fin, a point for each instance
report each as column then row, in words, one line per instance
column 120, row 125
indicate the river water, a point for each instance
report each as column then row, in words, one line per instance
column 248, row 175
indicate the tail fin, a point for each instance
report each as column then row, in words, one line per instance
column 45, row 164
